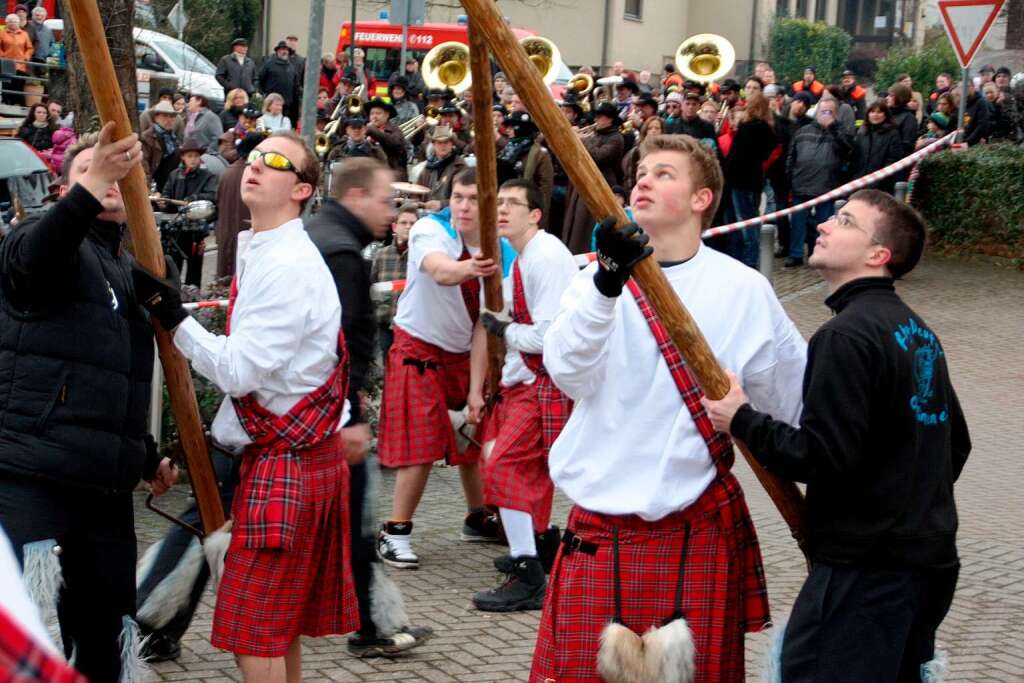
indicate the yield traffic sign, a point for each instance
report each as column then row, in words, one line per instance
column 967, row 22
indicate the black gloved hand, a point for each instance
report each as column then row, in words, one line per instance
column 160, row 296
column 493, row 324
column 617, row 252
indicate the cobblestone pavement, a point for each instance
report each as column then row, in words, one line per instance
column 978, row 312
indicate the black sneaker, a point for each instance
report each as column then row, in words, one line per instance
column 793, row 262
column 481, row 527
column 159, row 647
column 394, row 548
column 386, row 646
column 523, row 589
column 547, row 548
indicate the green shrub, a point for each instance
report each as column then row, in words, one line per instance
column 923, row 65
column 972, row 199
column 797, row 43
column 213, row 24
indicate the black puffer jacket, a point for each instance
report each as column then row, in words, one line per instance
column 76, row 353
column 876, row 147
column 38, row 138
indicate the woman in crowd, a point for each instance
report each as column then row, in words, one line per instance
column 652, row 126
column 330, row 74
column 37, row 129
column 752, row 144
column 273, row 118
column 876, row 145
column 234, row 103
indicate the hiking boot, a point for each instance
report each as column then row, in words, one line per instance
column 394, row 547
column 481, row 527
column 793, row 262
column 523, row 589
column 159, row 647
column 360, row 645
column 547, row 548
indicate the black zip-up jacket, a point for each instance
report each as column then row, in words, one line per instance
column 341, row 237
column 876, row 147
column 753, row 143
column 881, row 438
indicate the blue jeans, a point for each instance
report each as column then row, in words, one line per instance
column 744, row 245
column 803, row 226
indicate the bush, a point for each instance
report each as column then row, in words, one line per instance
column 797, row 43
column 213, row 24
column 934, row 58
column 972, row 199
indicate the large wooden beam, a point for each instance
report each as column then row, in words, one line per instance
column 102, row 79
column 588, row 181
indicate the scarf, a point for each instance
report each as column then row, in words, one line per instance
column 515, row 148
column 170, row 142
column 435, row 164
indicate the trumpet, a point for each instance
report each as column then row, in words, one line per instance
column 429, row 117
column 353, row 104
column 723, row 114
column 586, row 131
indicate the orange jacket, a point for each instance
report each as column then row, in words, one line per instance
column 16, row 45
column 816, row 88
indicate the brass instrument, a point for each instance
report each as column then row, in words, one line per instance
column 447, row 66
column 353, row 104
column 429, row 117
column 723, row 114
column 545, row 56
column 582, row 85
column 705, row 57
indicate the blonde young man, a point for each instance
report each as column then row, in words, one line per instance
column 660, row 528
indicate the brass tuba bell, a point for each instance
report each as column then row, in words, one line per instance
column 705, row 57
column 447, row 66
column 545, row 56
column 581, row 84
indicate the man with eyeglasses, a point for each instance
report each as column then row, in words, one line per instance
column 529, row 412
column 879, row 443
column 284, row 368
column 427, row 370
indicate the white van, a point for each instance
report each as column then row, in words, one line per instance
column 158, row 53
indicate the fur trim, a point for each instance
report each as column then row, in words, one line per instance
column 174, row 591
column 133, row 667
column 458, row 419
column 934, row 671
column 662, row 655
column 370, row 498
column 773, row 660
column 387, row 608
column 215, row 547
column 43, row 580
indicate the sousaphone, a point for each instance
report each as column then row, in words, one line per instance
column 705, row 57
column 447, row 66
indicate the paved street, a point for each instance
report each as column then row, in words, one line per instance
column 978, row 312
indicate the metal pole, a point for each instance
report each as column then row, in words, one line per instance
column 965, row 74
column 405, row 37
column 311, row 82
column 352, row 45
column 767, row 257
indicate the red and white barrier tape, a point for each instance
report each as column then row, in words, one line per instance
column 381, row 289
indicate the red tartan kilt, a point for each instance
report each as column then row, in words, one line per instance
column 414, row 425
column 268, row 597
column 516, row 474
column 580, row 597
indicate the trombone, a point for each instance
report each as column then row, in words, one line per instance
column 429, row 117
column 353, row 104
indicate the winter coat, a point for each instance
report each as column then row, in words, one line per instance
column 229, row 117
column 816, row 157
column 62, row 139
column 606, row 148
column 207, row 129
column 904, row 121
column 232, row 217
column 439, row 180
column 155, row 163
column 16, row 45
column 42, row 40
column 193, row 186
column 876, row 147
column 752, row 144
column 38, row 138
column 392, row 142
column 329, row 79
column 976, row 119
column 278, row 75
column 231, row 74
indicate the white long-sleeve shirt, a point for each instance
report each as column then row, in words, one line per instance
column 547, row 268
column 284, row 329
column 631, row 446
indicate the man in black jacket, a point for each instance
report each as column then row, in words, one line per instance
column 881, row 440
column 236, row 69
column 690, row 123
column 976, row 116
column 359, row 211
column 190, row 182
column 76, row 358
column 278, row 75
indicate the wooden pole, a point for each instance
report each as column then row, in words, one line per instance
column 100, row 70
column 588, row 181
column 487, row 191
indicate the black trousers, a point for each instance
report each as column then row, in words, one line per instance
column 187, row 253
column 176, row 542
column 854, row 625
column 364, row 549
column 96, row 533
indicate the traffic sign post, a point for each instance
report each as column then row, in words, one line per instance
column 967, row 22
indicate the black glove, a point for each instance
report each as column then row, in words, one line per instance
column 617, row 252
column 160, row 296
column 493, row 324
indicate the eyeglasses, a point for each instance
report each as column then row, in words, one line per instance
column 845, row 220
column 510, row 202
column 274, row 160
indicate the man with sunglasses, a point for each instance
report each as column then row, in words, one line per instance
column 427, row 371
column 283, row 365
column 880, row 442
column 530, row 411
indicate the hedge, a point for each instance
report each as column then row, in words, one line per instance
column 973, row 199
column 923, row 65
column 796, row 44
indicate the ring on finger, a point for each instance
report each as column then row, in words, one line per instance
column 128, row 155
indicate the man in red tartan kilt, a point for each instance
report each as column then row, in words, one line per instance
column 660, row 541
column 284, row 368
column 427, row 371
column 529, row 411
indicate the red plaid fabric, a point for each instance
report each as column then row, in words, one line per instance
column 470, row 291
column 724, row 592
column 516, row 474
column 555, row 407
column 22, row 660
column 271, row 465
column 269, row 597
column 421, row 383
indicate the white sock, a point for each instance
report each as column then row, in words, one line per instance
column 519, row 531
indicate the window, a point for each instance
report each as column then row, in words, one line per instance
column 819, row 10
column 634, row 9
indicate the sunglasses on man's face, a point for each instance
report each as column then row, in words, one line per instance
column 274, row 160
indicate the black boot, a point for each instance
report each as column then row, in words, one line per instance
column 547, row 548
column 523, row 589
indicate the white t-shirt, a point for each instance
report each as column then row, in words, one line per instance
column 547, row 267
column 631, row 446
column 427, row 310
